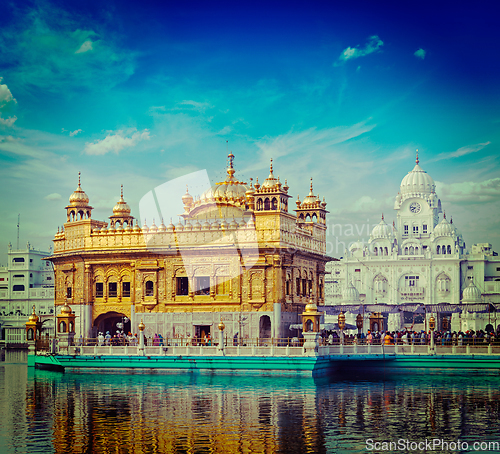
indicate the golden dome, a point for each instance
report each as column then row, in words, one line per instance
column 228, row 190
column 66, row 310
column 221, row 326
column 79, row 198
column 121, row 208
column 311, row 199
column 270, row 181
column 33, row 317
column 187, row 198
column 311, row 306
column 142, row 326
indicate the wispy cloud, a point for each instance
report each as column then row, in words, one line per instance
column 53, row 196
column 117, row 141
column 470, row 191
column 75, row 132
column 420, row 53
column 85, row 47
column 350, row 53
column 460, row 152
column 321, row 140
column 38, row 50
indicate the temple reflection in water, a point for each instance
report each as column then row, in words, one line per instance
column 143, row 413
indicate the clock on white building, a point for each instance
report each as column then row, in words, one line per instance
column 415, row 207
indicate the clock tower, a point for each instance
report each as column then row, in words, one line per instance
column 417, row 205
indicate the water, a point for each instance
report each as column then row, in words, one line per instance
column 48, row 412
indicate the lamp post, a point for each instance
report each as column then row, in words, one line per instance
column 432, row 326
column 141, row 338
column 341, row 323
column 221, row 338
column 359, row 324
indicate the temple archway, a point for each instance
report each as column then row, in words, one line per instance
column 109, row 322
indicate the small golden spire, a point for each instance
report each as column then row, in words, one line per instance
column 271, row 166
column 444, row 214
column 79, row 179
column 382, row 216
column 121, row 191
column 230, row 168
column 417, row 157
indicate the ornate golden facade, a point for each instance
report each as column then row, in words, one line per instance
column 182, row 280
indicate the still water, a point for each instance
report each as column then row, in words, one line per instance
column 49, row 412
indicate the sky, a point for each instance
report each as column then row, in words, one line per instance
column 139, row 93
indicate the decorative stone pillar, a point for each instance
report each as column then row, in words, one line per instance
column 310, row 328
column 33, row 331
column 65, row 327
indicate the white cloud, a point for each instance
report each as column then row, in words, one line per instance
column 75, row 132
column 116, row 142
column 461, row 151
column 7, row 121
column 420, row 53
column 470, row 191
column 193, row 105
column 5, row 95
column 85, row 47
column 373, row 45
column 53, row 196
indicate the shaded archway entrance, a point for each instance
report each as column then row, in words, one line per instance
column 265, row 327
column 110, row 321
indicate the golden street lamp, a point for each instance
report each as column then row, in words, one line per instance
column 341, row 323
column 432, row 327
column 359, row 323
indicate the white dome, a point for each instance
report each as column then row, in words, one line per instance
column 444, row 228
column 471, row 293
column 382, row 230
column 417, row 181
column 350, row 293
column 356, row 245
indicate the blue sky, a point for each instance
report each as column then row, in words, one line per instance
column 139, row 93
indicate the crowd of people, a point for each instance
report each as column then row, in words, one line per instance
column 408, row 337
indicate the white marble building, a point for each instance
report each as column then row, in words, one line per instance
column 421, row 262
column 27, row 280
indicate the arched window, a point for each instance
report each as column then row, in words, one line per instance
column 438, row 250
column 259, row 205
column 267, row 204
column 30, row 334
column 274, row 204
column 62, row 327
column 386, row 251
column 150, row 288
column 406, row 251
column 449, row 249
column 412, row 250
column 416, row 251
column 443, row 250
column 375, row 251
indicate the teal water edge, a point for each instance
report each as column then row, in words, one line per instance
column 146, row 411
column 306, row 365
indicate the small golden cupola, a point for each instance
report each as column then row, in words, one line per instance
column 311, row 209
column 271, row 195
column 78, row 208
column 121, row 213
